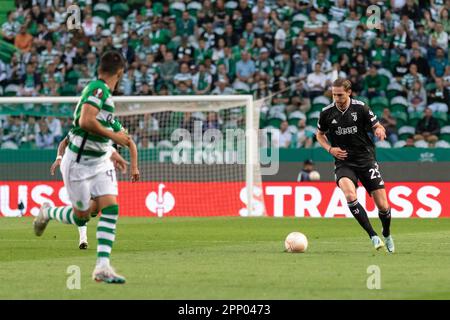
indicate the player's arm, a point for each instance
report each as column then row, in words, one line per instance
column 61, row 149
column 117, row 127
column 134, row 161
column 89, row 123
column 377, row 127
column 321, row 137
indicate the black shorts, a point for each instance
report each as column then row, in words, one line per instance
column 369, row 176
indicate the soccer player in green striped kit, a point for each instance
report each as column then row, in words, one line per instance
column 89, row 174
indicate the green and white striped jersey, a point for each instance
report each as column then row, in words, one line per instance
column 97, row 94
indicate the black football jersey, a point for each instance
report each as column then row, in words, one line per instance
column 348, row 130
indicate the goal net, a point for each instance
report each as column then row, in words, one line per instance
column 198, row 156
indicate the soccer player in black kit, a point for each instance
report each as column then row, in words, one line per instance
column 342, row 131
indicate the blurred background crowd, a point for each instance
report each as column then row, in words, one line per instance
column 283, row 52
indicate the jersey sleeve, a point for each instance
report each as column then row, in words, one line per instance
column 321, row 123
column 94, row 95
column 369, row 117
column 116, row 125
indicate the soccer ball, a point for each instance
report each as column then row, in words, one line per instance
column 296, row 242
column 314, row 176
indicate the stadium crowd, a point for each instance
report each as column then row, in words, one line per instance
column 283, row 52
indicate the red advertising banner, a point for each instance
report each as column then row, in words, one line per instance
column 282, row 199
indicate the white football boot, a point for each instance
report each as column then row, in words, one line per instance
column 41, row 221
column 389, row 244
column 107, row 274
column 377, row 242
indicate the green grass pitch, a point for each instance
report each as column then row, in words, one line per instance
column 228, row 258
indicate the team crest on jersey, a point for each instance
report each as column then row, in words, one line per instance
column 98, row 93
column 354, row 115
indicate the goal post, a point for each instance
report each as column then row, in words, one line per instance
column 213, row 155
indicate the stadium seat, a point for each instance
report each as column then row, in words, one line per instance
column 383, row 144
column 312, row 128
column 293, row 129
column 401, row 117
column 99, row 21
column 322, row 100
column 414, row 118
column 241, row 87
column 406, row 131
column 321, row 17
column 394, row 89
column 312, row 118
column 120, row 9
column 11, row 90
column 379, row 102
column 276, row 119
column 295, row 116
column 421, row 144
column 399, row 103
column 363, row 99
column 399, row 144
column 110, row 23
column 385, row 72
column 445, row 129
column 430, row 86
column 319, row 103
column 299, row 20
column 193, row 8
column 445, row 136
column 230, row 6
column 335, row 30
column 384, row 82
column 441, row 118
column 177, row 9
column 442, row 144
column 344, row 47
column 102, row 10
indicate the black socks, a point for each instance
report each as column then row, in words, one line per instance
column 385, row 218
column 361, row 216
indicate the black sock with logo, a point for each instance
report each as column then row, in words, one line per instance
column 361, row 216
column 385, row 218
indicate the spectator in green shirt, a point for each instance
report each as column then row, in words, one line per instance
column 372, row 83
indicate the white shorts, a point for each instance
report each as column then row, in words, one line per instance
column 85, row 182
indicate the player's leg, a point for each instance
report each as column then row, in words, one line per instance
column 384, row 213
column 346, row 179
column 105, row 191
column 79, row 195
column 82, row 231
column 66, row 214
column 371, row 179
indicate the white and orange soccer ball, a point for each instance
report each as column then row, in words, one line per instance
column 296, row 242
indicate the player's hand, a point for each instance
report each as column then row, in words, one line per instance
column 54, row 166
column 380, row 133
column 338, row 153
column 135, row 174
column 121, row 165
column 121, row 138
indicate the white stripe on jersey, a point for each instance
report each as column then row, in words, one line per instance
column 95, row 100
column 328, row 106
column 91, row 145
column 357, row 102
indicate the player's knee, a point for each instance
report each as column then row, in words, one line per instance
column 85, row 215
column 384, row 207
column 350, row 197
